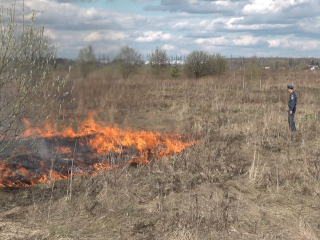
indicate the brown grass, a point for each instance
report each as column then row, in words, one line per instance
column 247, row 178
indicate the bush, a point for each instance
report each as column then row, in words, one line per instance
column 158, row 60
column 175, row 72
column 29, row 89
column 199, row 64
column 86, row 60
column 129, row 60
column 220, row 64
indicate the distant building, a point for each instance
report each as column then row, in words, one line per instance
column 176, row 62
column 312, row 67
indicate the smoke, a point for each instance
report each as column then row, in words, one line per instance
column 42, row 149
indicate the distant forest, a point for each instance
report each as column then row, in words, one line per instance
column 234, row 64
column 273, row 63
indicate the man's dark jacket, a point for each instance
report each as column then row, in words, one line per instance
column 292, row 102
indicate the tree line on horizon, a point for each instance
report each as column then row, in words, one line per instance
column 197, row 64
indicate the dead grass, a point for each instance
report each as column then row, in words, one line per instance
column 247, row 178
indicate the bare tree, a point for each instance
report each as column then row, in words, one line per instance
column 158, row 60
column 129, row 60
column 29, row 89
column 199, row 64
column 86, row 60
column 220, row 64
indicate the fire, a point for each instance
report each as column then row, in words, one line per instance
column 91, row 148
column 64, row 151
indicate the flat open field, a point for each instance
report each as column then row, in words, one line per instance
column 248, row 177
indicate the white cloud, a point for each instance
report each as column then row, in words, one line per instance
column 274, row 42
column 223, row 3
column 257, row 26
column 151, row 36
column 169, row 47
column 197, row 6
column 166, row 37
column 108, row 36
column 212, row 49
column 232, row 20
column 184, row 52
column 68, row 16
column 246, row 41
column 94, row 36
column 270, row 6
column 181, row 26
column 213, row 41
column 294, row 44
column 51, row 34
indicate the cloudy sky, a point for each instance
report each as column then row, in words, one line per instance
column 275, row 28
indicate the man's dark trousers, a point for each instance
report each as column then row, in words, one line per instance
column 292, row 125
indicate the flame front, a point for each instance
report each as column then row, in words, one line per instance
column 100, row 141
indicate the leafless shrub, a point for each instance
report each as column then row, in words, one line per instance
column 129, row 60
column 86, row 60
column 29, row 88
column 199, row 64
column 158, row 60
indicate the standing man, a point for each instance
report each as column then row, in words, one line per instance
column 292, row 108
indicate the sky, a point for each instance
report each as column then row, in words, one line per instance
column 233, row 28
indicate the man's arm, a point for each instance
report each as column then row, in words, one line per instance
column 292, row 102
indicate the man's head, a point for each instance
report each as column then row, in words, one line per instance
column 290, row 88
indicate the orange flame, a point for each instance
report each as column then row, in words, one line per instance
column 100, row 140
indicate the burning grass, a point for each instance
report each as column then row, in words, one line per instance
column 90, row 149
column 247, row 177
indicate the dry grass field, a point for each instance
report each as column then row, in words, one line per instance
column 248, row 177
